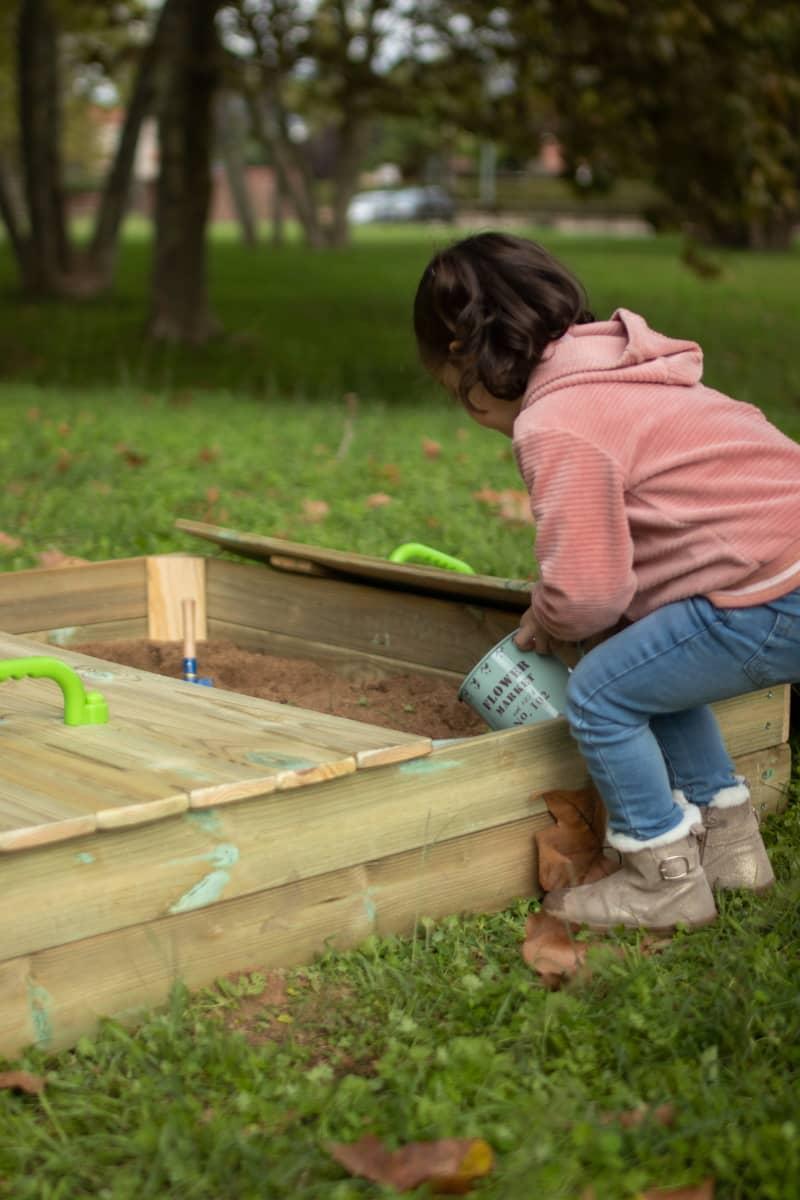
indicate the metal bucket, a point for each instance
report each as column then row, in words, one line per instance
column 511, row 687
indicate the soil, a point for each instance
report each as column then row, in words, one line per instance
column 420, row 704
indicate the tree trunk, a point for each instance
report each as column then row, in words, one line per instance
column 352, row 140
column 290, row 166
column 100, row 258
column 180, row 309
column 12, row 217
column 231, row 132
column 47, row 260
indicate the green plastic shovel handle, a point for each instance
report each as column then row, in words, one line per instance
column 80, row 707
column 418, row 552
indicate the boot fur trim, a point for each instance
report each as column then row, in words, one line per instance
column 731, row 797
column 629, row 845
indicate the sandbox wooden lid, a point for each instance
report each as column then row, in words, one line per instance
column 168, row 747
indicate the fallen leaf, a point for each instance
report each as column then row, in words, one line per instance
column 430, row 448
column 22, row 1081
column 512, row 505
column 663, row 1114
column 208, row 454
column 34, row 414
column 134, row 458
column 315, row 510
column 212, row 495
column 64, row 459
column 378, row 500
column 9, row 542
column 390, row 472
column 697, row 1191
column 450, row 1166
column 53, row 557
column 551, row 950
column 570, row 852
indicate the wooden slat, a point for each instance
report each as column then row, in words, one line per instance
column 513, row 594
column 138, row 874
column 53, row 996
column 338, row 658
column 102, row 631
column 57, row 598
column 168, row 745
column 171, row 579
column 421, row 630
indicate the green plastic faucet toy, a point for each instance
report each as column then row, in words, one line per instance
column 80, row 707
column 418, row 552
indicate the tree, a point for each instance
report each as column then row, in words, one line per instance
column 703, row 100
column 35, row 211
column 188, row 79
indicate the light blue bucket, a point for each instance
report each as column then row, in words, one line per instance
column 511, row 687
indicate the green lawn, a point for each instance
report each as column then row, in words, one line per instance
column 105, row 441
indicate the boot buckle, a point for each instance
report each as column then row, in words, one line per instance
column 666, row 872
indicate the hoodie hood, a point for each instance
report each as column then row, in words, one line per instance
column 624, row 348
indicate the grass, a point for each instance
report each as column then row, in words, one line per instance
column 236, row 1091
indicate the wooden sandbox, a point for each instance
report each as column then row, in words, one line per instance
column 201, row 832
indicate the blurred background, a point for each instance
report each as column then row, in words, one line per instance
column 213, row 217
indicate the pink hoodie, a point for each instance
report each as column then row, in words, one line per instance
column 647, row 486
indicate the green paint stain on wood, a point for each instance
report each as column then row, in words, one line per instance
column 83, row 857
column 62, row 637
column 206, row 819
column 428, row 766
column 40, row 1003
column 279, row 762
column 210, row 888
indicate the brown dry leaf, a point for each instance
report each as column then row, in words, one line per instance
column 34, row 414
column 390, row 472
column 208, row 454
column 450, row 1166
column 8, row 541
column 212, row 495
column 315, row 510
column 571, row 851
column 134, row 458
column 663, row 1114
column 551, row 950
column 378, row 500
column 430, row 448
column 53, row 557
column 512, row 505
column 21, row 1081
column 697, row 1191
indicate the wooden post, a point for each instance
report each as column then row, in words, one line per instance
column 171, row 579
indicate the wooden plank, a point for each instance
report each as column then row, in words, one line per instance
column 423, row 630
column 60, row 597
column 171, row 579
column 768, row 773
column 141, row 873
column 103, row 631
column 513, row 594
column 340, row 659
column 53, row 996
column 166, row 746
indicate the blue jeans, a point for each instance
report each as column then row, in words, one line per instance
column 637, row 704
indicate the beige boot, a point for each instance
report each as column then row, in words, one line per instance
column 733, row 854
column 659, row 886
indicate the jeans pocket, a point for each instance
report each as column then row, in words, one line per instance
column 770, row 663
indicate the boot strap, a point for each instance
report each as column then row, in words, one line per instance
column 668, row 872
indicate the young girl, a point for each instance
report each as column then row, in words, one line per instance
column 668, row 537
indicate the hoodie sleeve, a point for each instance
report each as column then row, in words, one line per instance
column 583, row 542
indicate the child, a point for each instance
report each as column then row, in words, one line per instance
column 667, row 535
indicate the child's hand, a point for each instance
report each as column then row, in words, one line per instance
column 532, row 635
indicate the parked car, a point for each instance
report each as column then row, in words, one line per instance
column 401, row 204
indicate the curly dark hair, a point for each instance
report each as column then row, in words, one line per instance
column 491, row 304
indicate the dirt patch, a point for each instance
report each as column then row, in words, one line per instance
column 420, row 704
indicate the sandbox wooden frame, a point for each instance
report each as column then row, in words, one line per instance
column 107, row 905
